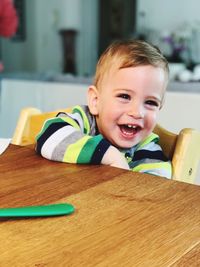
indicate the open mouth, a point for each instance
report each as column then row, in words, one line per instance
column 129, row 130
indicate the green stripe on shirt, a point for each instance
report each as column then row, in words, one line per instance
column 147, row 167
column 152, row 137
column 73, row 151
column 88, row 149
column 78, row 109
column 47, row 123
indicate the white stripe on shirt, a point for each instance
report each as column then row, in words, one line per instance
column 57, row 137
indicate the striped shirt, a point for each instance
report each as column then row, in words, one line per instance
column 74, row 138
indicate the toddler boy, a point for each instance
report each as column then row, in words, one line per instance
column 116, row 128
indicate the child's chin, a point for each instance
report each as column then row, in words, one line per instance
column 125, row 145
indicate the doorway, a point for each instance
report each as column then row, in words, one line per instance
column 117, row 20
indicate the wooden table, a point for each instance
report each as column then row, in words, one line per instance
column 121, row 218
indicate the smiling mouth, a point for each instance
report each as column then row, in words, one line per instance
column 129, row 130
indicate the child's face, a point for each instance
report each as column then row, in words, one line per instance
column 127, row 105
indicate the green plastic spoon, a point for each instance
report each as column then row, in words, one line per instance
column 38, row 211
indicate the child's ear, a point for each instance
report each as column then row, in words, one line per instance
column 92, row 99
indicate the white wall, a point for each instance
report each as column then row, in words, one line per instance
column 163, row 15
column 42, row 49
column 180, row 110
column 88, row 38
column 21, row 55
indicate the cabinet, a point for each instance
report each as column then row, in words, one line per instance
column 47, row 96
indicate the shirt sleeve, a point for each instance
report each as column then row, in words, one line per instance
column 149, row 158
column 63, row 139
column 163, row 169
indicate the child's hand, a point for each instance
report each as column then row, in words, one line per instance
column 113, row 157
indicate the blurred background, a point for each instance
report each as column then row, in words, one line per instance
column 67, row 36
column 50, row 60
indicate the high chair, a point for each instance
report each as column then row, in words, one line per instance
column 182, row 149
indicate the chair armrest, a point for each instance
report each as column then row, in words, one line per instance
column 186, row 156
column 22, row 124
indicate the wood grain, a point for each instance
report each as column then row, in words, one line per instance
column 121, row 218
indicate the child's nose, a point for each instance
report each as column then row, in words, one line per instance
column 136, row 110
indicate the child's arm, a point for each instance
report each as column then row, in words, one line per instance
column 161, row 168
column 149, row 158
column 63, row 139
column 113, row 157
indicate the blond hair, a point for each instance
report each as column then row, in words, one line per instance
column 131, row 53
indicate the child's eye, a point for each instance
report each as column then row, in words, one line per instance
column 152, row 103
column 124, row 96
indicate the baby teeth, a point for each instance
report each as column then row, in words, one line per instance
column 131, row 126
